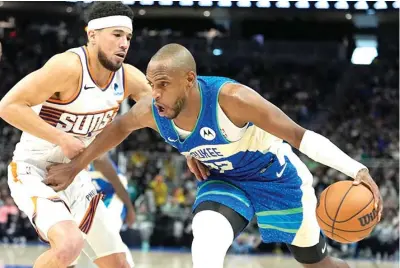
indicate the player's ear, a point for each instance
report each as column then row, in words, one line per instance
column 191, row 79
column 91, row 37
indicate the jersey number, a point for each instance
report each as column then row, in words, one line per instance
column 222, row 166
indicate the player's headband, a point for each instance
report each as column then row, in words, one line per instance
column 110, row 21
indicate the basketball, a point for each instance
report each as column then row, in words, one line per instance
column 345, row 212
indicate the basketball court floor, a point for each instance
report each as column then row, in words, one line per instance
column 23, row 257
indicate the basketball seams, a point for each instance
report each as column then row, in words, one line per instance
column 337, row 236
column 326, row 197
column 338, row 209
column 372, row 199
column 349, row 231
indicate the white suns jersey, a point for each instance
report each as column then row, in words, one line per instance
column 84, row 115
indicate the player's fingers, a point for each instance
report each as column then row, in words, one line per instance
column 377, row 198
column 193, row 167
column 59, row 187
column 50, row 167
column 380, row 208
column 190, row 165
column 196, row 172
column 202, row 170
column 356, row 181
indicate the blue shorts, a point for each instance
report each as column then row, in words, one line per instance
column 281, row 197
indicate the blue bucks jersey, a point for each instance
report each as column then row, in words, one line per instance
column 103, row 186
column 241, row 160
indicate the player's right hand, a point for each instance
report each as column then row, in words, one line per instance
column 59, row 176
column 197, row 168
column 71, row 146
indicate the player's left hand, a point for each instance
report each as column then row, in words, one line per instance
column 59, row 176
column 197, row 168
column 364, row 177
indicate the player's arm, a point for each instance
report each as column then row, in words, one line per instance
column 139, row 116
column 136, row 83
column 34, row 89
column 105, row 166
column 243, row 105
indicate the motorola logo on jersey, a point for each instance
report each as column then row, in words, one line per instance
column 85, row 124
column 207, row 133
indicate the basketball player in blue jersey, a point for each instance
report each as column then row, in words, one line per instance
column 239, row 136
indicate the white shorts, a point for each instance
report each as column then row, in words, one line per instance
column 79, row 202
column 114, row 211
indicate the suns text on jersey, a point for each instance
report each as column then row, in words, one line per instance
column 87, row 123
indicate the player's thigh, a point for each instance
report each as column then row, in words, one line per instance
column 40, row 203
column 222, row 195
column 103, row 239
column 285, row 202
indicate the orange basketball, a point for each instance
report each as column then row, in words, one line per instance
column 345, row 212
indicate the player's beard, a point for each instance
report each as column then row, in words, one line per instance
column 113, row 67
column 179, row 104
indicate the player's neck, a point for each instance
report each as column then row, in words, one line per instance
column 99, row 74
column 187, row 118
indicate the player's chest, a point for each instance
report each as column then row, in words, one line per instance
column 88, row 114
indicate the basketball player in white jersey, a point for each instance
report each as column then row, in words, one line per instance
column 61, row 108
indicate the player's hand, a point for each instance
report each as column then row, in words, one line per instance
column 364, row 177
column 71, row 146
column 59, row 176
column 197, row 168
column 130, row 216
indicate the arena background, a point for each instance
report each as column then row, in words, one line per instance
column 331, row 66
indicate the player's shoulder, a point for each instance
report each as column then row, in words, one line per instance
column 232, row 94
column 137, row 85
column 215, row 80
column 67, row 63
column 132, row 73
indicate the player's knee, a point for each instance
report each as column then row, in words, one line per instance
column 212, row 232
column 313, row 256
column 121, row 261
column 66, row 241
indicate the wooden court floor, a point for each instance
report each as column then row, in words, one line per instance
column 23, row 257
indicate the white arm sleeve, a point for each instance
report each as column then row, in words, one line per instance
column 322, row 150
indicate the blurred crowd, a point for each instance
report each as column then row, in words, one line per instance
column 354, row 106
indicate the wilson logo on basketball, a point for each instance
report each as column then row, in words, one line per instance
column 85, row 124
column 368, row 218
